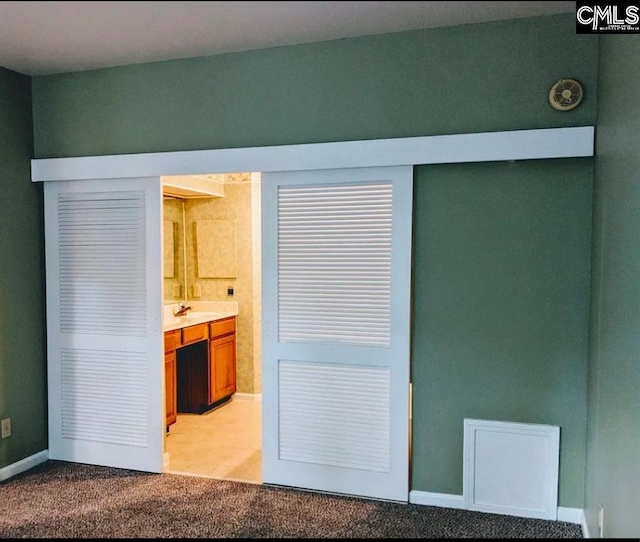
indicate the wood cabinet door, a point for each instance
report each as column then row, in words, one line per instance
column 222, row 367
column 171, row 397
column 172, row 340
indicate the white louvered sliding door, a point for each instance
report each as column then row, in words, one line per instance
column 104, row 328
column 336, row 310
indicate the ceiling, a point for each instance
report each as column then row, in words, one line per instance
column 38, row 38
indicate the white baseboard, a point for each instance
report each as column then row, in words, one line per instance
column 443, row 500
column 585, row 526
column 247, row 396
column 23, row 465
column 436, row 499
column 570, row 515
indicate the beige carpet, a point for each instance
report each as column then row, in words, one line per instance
column 68, row 500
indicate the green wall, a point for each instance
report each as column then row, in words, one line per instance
column 22, row 334
column 613, row 446
column 474, row 78
column 500, row 309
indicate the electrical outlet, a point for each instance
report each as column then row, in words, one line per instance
column 601, row 522
column 6, row 427
column 177, row 290
column 197, row 290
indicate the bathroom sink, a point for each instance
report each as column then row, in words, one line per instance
column 199, row 316
column 193, row 318
column 187, row 319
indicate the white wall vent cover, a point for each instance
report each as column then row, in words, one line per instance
column 511, row 468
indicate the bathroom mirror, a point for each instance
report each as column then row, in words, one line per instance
column 174, row 250
column 216, row 248
column 169, row 230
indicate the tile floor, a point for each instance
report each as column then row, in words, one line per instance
column 224, row 443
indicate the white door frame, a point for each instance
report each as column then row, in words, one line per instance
column 458, row 148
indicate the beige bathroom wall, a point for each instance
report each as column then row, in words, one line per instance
column 237, row 204
column 172, row 212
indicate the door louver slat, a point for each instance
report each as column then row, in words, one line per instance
column 97, row 233
column 335, row 236
column 102, row 404
column 349, row 430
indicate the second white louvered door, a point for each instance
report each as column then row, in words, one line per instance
column 104, row 322
column 336, row 327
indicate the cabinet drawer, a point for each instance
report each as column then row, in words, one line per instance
column 196, row 333
column 171, row 340
column 223, row 327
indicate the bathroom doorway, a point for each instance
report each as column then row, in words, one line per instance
column 212, row 325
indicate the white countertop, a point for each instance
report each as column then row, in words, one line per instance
column 193, row 318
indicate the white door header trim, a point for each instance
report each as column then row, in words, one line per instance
column 457, row 148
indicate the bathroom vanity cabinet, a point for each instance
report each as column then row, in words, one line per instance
column 200, row 366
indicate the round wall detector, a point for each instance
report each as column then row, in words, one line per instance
column 565, row 94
